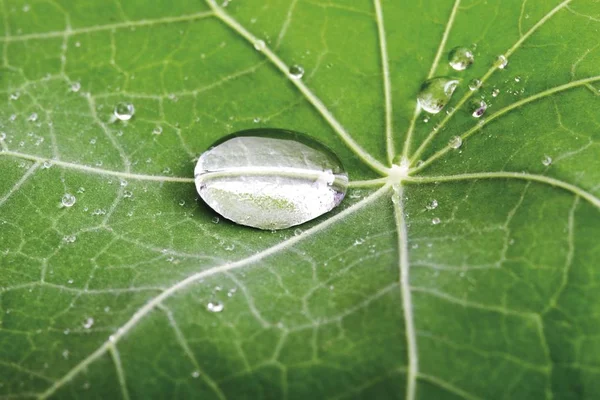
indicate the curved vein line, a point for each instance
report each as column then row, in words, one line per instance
column 485, row 77
column 107, row 27
column 434, row 66
column 505, row 110
column 194, row 278
column 511, row 175
column 448, row 387
column 99, row 171
column 404, row 269
column 19, row 183
column 387, row 88
column 367, row 158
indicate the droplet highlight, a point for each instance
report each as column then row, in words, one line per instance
column 68, row 200
column 435, row 93
column 215, row 306
column 502, row 61
column 124, row 111
column 460, row 58
column 296, row 71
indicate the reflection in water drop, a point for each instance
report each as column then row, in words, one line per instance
column 478, row 108
column 296, row 71
column 460, row 58
column 435, row 93
column 124, row 111
column 474, row 84
column 68, row 200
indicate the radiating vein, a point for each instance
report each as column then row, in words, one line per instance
column 367, row 158
column 485, row 77
column 404, row 267
column 505, row 110
column 19, row 183
column 194, row 278
column 387, row 88
column 120, row 373
column 511, row 175
column 434, row 65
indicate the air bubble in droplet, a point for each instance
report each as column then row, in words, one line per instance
column 260, row 45
column 502, row 61
column 474, row 84
column 124, row 111
column 478, row 108
column 215, row 306
column 68, row 200
column 432, row 205
column 547, row 160
column 435, row 93
column 460, row 58
column 296, row 71
column 455, row 142
column 435, row 221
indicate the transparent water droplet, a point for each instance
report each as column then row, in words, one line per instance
column 195, row 374
column 284, row 179
column 231, row 292
column 460, row 58
column 88, row 323
column 68, row 200
column 449, row 110
column 260, row 45
column 69, row 239
column 14, row 96
column 75, row 86
column 256, row 120
column 33, row 117
column 435, row 93
column 474, row 84
column 157, row 130
column 455, row 142
column 296, row 71
column 502, row 61
column 547, row 160
column 426, row 119
column 436, row 221
column 70, row 281
column 182, row 203
column 432, row 205
column 495, row 92
column 127, row 194
column 215, row 220
column 478, row 108
column 215, row 306
column 517, row 79
column 124, row 111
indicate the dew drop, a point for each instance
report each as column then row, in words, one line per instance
column 455, row 142
column 517, row 79
column 68, row 200
column 215, row 306
column 432, row 205
column 260, row 45
column 495, row 92
column 478, row 108
column 33, row 117
column 157, row 130
column 435, row 221
column 474, row 84
column 502, row 61
column 127, row 194
column 231, row 292
column 547, row 160
column 195, row 374
column 460, row 58
column 215, row 220
column 435, row 93
column 70, row 239
column 75, row 86
column 46, row 164
column 284, row 179
column 88, row 323
column 426, row 119
column 124, row 111
column 296, row 71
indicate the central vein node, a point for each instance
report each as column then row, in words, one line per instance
column 398, row 173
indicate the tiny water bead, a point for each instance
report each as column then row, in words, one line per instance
column 474, row 84
column 435, row 93
column 124, row 111
column 460, row 58
column 296, row 71
column 495, row 92
column 436, row 221
column 215, row 306
column 270, row 178
column 547, row 160
column 455, row 142
column 75, row 86
column 157, row 130
column 68, row 200
column 478, row 108
column 502, row 61
column 260, row 45
column 432, row 205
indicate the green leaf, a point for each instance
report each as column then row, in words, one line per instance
column 108, row 298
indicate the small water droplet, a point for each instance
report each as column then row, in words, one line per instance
column 14, row 96
column 215, row 306
column 260, row 45
column 88, row 323
column 435, row 93
column 68, row 200
column 460, row 58
column 478, row 108
column 298, row 232
column 2, row 135
column 296, row 71
column 70, row 281
column 195, row 374
column 127, row 194
column 256, row 120
column 65, row 354
column 75, row 86
column 474, row 84
column 426, row 119
column 69, row 239
column 455, row 142
column 231, row 292
column 517, row 79
column 502, row 61
column 495, row 92
column 124, row 111
column 435, row 221
column 547, row 160
column 432, row 205
column 157, row 130
column 182, row 202
column 33, row 117
column 215, row 220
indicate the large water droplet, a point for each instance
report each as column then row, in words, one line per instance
column 502, row 61
column 215, row 306
column 460, row 58
column 270, row 178
column 435, row 93
column 68, row 200
column 296, row 71
column 124, row 111
column 455, row 142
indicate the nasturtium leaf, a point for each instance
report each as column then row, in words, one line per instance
column 448, row 271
